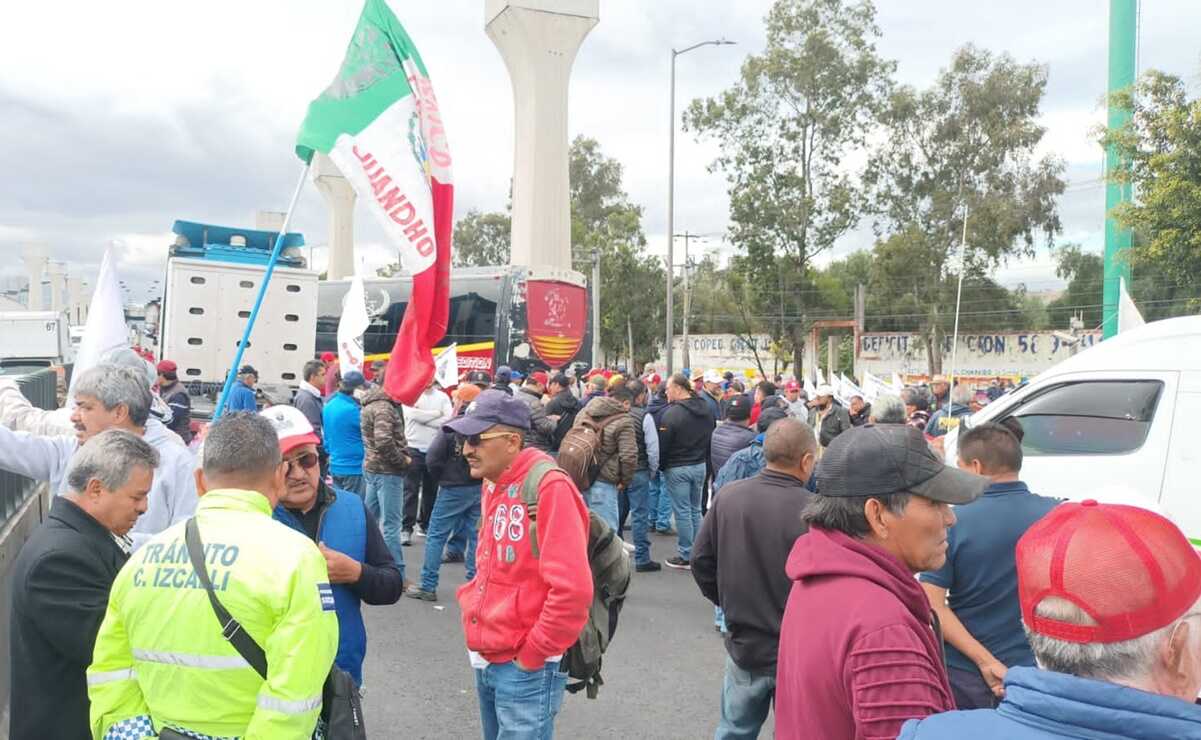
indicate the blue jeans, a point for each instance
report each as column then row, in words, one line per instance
column 639, row 493
column 352, row 483
column 746, row 697
column 457, row 544
column 385, row 501
column 516, row 705
column 659, row 504
column 601, row 497
column 453, row 507
column 684, row 487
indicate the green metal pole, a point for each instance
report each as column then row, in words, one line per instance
column 1123, row 31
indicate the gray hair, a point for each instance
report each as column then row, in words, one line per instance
column 126, row 357
column 109, row 457
column 915, row 397
column 1115, row 662
column 961, row 395
column 114, row 385
column 241, row 443
column 786, row 442
column 845, row 513
column 888, row 409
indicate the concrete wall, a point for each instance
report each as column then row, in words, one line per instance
column 12, row 536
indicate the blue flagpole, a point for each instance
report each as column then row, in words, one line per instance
column 258, row 301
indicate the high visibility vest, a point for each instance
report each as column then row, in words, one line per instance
column 160, row 658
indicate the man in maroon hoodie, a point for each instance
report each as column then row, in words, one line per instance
column 860, row 649
column 521, row 613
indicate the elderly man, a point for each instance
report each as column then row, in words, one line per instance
column 798, row 402
column 60, row 584
column 860, row 410
column 917, row 407
column 529, row 599
column 110, row 397
column 241, row 393
column 860, row 649
column 827, row 416
column 940, row 390
column 361, row 566
column 736, row 559
column 1109, row 596
column 888, row 409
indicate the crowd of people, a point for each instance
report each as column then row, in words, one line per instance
column 208, row 582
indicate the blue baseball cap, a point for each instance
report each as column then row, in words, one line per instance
column 353, row 379
column 490, row 408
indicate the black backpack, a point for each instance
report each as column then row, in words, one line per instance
column 610, row 566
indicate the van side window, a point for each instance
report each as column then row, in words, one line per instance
column 1089, row 418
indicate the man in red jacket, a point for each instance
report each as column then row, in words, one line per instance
column 521, row 613
column 860, row 649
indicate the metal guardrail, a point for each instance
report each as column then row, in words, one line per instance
column 40, row 386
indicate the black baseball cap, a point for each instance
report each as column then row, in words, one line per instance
column 479, row 377
column 490, row 408
column 878, row 460
column 738, row 408
column 769, row 416
column 248, row 370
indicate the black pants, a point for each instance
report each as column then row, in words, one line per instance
column 419, row 486
column 623, row 510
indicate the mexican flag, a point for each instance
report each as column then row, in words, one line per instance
column 379, row 122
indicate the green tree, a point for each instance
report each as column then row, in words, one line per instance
column 785, row 129
column 965, row 144
column 482, row 239
column 1162, row 144
column 1083, row 271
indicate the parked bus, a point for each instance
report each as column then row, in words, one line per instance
column 524, row 317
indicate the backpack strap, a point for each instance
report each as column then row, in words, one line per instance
column 529, row 495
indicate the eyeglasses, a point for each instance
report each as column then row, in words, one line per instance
column 306, row 461
column 475, row 439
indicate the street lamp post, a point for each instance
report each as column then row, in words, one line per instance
column 671, row 191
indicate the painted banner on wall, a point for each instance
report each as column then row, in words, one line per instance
column 979, row 355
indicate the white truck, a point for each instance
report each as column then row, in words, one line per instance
column 210, row 291
column 39, row 337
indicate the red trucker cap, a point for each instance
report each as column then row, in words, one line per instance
column 1128, row 568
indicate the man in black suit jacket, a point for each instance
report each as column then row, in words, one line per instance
column 61, row 581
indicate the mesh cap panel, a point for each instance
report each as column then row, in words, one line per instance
column 1128, row 568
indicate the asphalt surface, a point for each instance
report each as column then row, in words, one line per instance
column 662, row 672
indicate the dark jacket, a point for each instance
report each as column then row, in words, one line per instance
column 835, row 423
column 858, row 651
column 176, row 396
column 738, row 561
column 638, row 414
column 714, row 405
column 561, row 403
column 60, row 585
column 656, row 408
column 383, row 428
column 618, row 453
column 729, row 437
column 445, row 460
column 684, row 433
column 542, row 429
column 1045, row 705
column 941, row 422
column 310, row 404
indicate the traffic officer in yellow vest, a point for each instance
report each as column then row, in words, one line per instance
column 161, row 660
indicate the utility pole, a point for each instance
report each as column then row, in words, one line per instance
column 1123, row 33
column 687, row 299
column 596, row 288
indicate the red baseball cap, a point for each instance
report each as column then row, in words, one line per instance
column 291, row 426
column 328, row 357
column 792, row 385
column 1128, row 568
column 166, row 366
column 540, row 377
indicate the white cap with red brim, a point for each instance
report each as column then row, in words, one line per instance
column 291, row 426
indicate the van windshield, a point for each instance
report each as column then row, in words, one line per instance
column 1089, row 418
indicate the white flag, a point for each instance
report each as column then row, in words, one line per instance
column 873, row 387
column 821, row 379
column 810, row 389
column 105, row 329
column 351, row 326
column 898, row 385
column 1128, row 313
column 446, row 367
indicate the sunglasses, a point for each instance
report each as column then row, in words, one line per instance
column 475, row 439
column 307, row 461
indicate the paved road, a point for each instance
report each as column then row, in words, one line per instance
column 663, row 671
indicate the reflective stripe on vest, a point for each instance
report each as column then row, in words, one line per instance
column 215, row 662
column 284, row 706
column 95, row 679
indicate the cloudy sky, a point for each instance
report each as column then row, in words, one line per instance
column 116, row 120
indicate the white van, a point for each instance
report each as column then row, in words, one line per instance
column 1123, row 414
